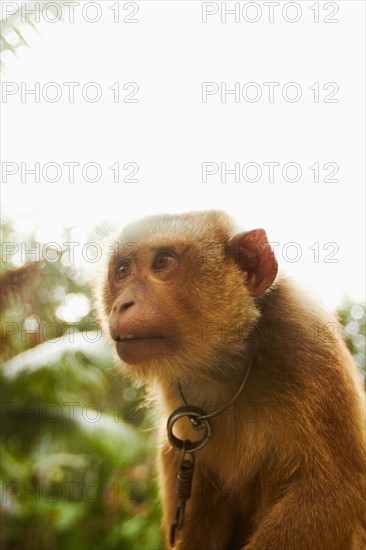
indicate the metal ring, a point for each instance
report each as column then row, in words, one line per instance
column 190, row 446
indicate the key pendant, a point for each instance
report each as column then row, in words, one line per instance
column 186, row 465
column 183, row 488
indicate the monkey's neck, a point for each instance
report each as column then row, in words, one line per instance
column 213, row 392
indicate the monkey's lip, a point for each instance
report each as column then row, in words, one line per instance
column 133, row 348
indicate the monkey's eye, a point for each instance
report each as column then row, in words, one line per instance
column 163, row 260
column 123, row 270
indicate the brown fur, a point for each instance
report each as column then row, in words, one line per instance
column 284, row 468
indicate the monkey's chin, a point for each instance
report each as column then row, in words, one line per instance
column 142, row 349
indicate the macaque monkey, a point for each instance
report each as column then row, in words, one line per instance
column 196, row 309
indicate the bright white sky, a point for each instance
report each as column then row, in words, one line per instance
column 170, row 131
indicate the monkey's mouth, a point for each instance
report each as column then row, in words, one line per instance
column 134, row 348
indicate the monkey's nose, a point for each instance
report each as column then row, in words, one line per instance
column 123, row 307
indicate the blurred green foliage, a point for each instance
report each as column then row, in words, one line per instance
column 77, row 446
column 352, row 317
column 15, row 21
column 77, row 469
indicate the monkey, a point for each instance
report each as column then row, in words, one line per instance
column 195, row 307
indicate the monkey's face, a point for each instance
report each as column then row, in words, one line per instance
column 173, row 300
column 143, row 288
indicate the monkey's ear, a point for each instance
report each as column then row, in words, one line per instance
column 254, row 255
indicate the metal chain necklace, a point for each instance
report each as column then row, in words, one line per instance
column 200, row 421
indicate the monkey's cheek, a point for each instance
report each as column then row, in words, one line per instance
column 137, row 351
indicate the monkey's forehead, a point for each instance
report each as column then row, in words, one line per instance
column 157, row 240
column 191, row 226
